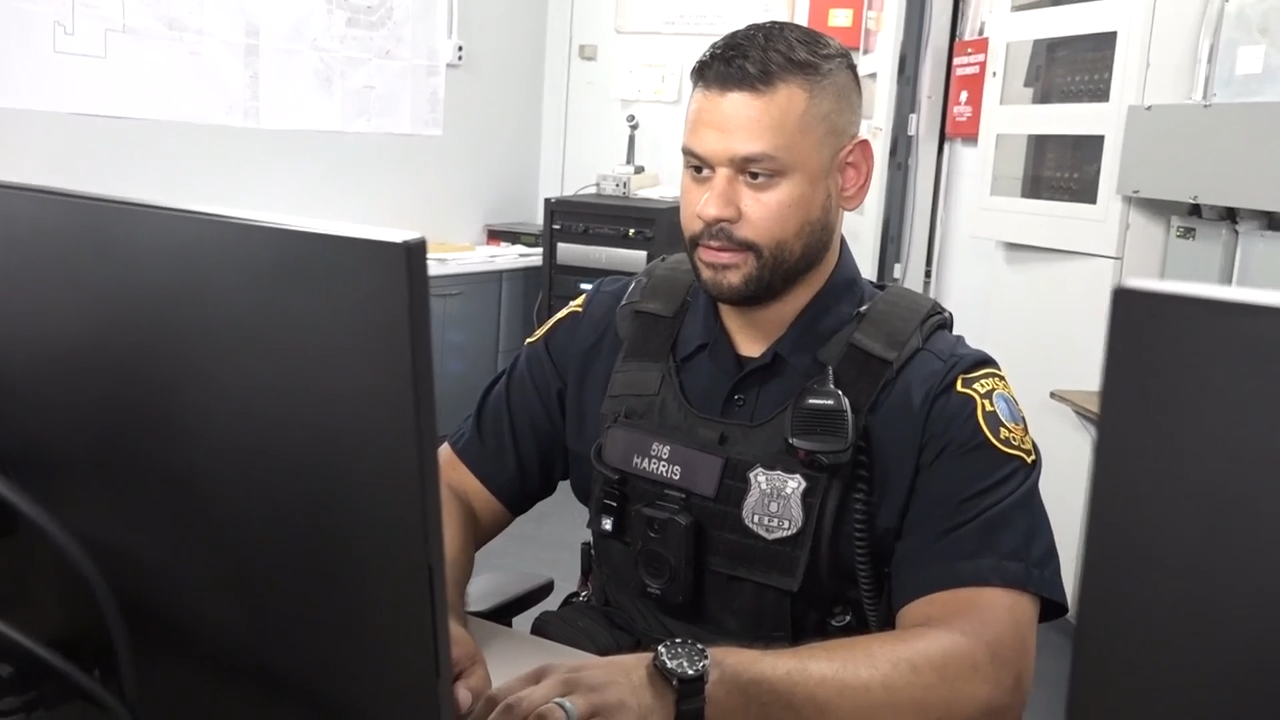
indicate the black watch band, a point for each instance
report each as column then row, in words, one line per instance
column 691, row 699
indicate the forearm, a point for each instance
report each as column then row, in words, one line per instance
column 460, row 545
column 906, row 674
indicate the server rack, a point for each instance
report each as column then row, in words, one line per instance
column 587, row 237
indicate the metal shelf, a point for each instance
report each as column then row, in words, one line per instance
column 1222, row 154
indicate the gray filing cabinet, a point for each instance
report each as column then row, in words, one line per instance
column 479, row 322
column 520, row 289
column 464, row 342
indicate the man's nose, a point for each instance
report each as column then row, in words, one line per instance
column 720, row 203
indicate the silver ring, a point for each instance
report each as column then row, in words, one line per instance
column 570, row 712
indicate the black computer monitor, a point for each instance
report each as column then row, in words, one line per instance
column 1179, row 609
column 234, row 417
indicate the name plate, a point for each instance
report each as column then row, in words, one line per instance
column 663, row 461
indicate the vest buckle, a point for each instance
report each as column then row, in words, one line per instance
column 841, row 615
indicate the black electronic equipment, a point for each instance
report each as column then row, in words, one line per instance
column 1178, row 593
column 515, row 233
column 663, row 538
column 233, row 417
column 1071, row 69
column 587, row 237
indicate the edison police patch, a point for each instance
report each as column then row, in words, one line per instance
column 999, row 414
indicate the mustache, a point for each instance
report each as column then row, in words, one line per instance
column 724, row 237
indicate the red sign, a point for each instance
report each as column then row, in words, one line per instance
column 964, row 97
column 841, row 19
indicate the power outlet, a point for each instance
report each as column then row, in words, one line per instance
column 456, row 53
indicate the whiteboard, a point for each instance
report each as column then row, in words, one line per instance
column 697, row 17
column 276, row 64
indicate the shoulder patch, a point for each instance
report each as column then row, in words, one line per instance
column 999, row 414
column 573, row 307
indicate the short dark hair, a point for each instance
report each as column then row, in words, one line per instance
column 760, row 57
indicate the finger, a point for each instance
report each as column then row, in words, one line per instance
column 549, row 712
column 528, row 703
column 470, row 685
column 488, row 702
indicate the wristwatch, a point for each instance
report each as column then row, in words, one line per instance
column 685, row 664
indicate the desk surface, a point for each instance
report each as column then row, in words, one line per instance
column 511, row 652
column 1085, row 402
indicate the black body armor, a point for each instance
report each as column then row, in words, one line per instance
column 726, row 532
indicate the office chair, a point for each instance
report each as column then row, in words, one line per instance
column 501, row 597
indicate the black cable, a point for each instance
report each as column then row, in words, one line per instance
column 86, row 684
column 112, row 617
column 864, row 568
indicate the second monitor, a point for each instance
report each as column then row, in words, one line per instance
column 1180, row 584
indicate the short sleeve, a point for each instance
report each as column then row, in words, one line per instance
column 976, row 517
column 514, row 440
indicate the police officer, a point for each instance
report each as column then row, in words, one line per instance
column 779, row 458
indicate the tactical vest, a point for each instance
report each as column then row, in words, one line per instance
column 714, row 530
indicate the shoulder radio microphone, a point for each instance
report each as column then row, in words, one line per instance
column 820, row 425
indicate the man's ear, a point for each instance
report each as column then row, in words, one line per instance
column 854, row 167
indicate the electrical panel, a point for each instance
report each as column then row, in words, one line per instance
column 1063, row 168
column 1200, row 250
column 1064, row 73
column 1075, row 69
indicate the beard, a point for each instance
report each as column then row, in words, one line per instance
column 772, row 272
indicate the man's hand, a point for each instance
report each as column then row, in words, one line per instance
column 470, row 673
column 626, row 687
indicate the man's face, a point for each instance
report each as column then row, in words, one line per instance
column 761, row 193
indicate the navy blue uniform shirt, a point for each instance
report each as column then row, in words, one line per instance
column 956, row 473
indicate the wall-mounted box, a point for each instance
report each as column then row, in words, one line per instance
column 1200, row 250
column 1061, row 76
column 1218, row 154
column 1258, row 260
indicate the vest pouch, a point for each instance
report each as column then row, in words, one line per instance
column 761, row 526
column 588, row 627
column 639, row 503
column 755, row 511
column 754, row 515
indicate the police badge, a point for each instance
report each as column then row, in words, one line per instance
column 774, row 506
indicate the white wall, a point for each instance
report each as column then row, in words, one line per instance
column 484, row 169
column 1044, row 313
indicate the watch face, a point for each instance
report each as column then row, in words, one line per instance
column 684, row 659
